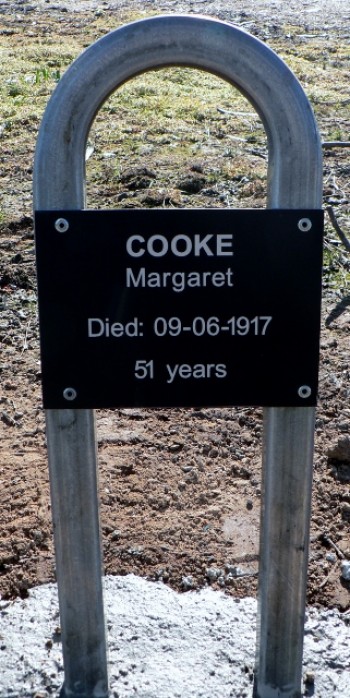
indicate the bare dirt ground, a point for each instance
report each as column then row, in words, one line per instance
column 179, row 489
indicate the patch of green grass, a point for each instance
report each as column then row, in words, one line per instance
column 175, row 122
column 170, row 119
column 336, row 268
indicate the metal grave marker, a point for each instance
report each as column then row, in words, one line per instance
column 179, row 308
column 194, row 333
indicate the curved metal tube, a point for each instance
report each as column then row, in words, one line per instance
column 294, row 181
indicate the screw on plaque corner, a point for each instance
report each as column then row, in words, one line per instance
column 61, row 225
column 304, row 391
column 70, row 394
column 304, row 225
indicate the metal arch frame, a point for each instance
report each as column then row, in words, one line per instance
column 294, row 181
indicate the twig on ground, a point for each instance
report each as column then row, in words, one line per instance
column 336, row 144
column 337, row 227
column 323, row 584
column 342, row 103
column 333, row 545
column 237, row 113
column 25, row 340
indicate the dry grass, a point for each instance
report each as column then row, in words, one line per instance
column 174, row 137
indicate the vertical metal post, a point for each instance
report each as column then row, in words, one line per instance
column 285, row 520
column 294, row 181
column 72, row 466
column 287, row 469
column 59, row 182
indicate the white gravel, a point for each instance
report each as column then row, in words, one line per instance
column 163, row 644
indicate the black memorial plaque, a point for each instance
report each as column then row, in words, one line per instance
column 179, row 308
